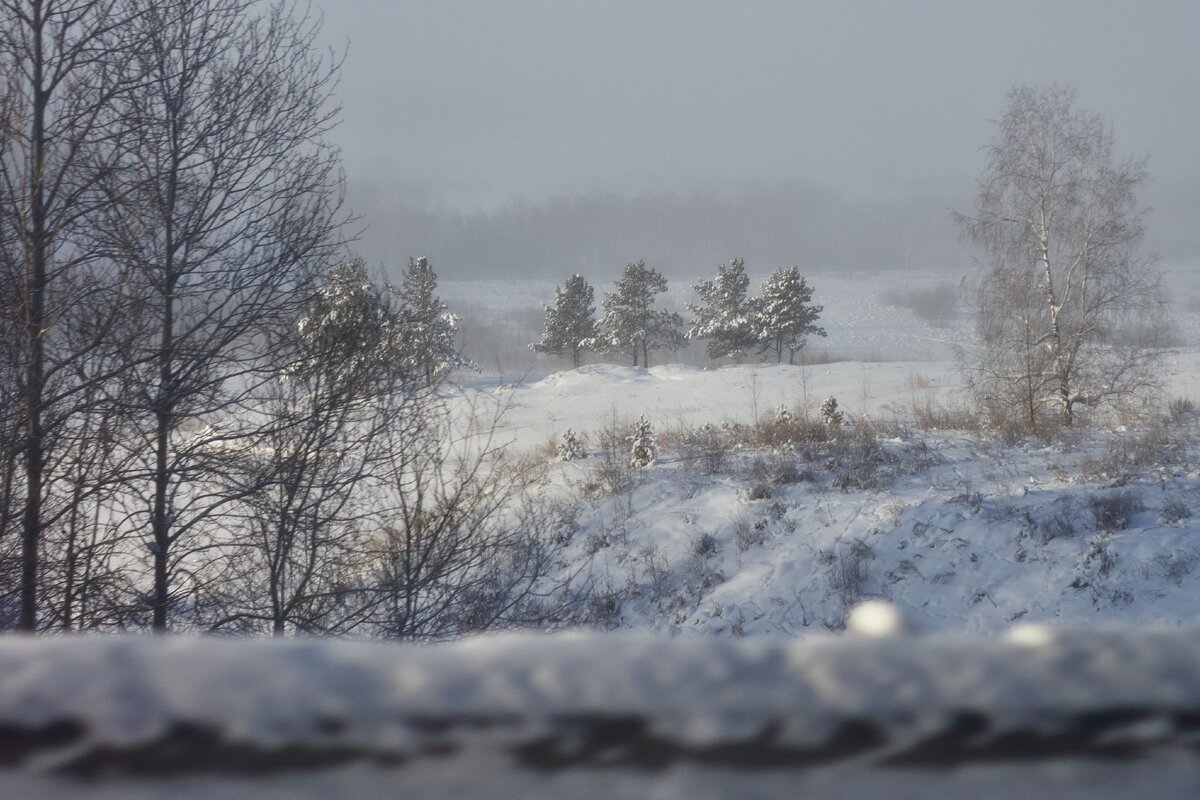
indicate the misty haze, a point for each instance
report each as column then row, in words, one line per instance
column 589, row 400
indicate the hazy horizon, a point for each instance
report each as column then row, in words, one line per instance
column 481, row 111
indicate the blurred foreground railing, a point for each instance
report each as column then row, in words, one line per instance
column 1057, row 714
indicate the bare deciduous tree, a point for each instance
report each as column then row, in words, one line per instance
column 456, row 550
column 61, row 64
column 345, row 380
column 224, row 204
column 1063, row 306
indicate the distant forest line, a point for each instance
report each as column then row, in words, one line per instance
column 681, row 232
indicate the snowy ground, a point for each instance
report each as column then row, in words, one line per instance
column 726, row 568
column 962, row 534
column 961, row 530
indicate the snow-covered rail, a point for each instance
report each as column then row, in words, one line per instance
column 601, row 716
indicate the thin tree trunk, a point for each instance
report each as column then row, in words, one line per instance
column 35, row 456
column 163, row 414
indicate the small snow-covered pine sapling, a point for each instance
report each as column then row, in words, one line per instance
column 570, row 448
column 831, row 413
column 782, row 413
column 642, row 452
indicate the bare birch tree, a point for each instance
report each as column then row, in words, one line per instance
column 62, row 63
column 1063, row 307
column 224, row 204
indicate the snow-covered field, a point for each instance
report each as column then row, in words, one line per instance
column 1020, row 571
column 864, row 315
column 961, row 530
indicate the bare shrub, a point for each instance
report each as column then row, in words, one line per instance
column 612, row 470
column 783, row 431
column 1128, row 454
column 705, row 546
column 759, row 491
column 1180, row 408
column 1174, row 511
column 1101, row 556
column 1060, row 524
column 701, row 575
column 859, row 462
column 969, row 497
column 780, row 470
column 930, row 415
column 1114, row 512
column 738, row 434
column 748, row 533
column 462, row 539
column 603, row 609
column 847, row 572
column 706, row 446
column 1171, row 566
column 595, row 542
column 660, row 581
column 563, row 523
column 819, row 357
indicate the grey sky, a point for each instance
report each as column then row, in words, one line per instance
column 481, row 102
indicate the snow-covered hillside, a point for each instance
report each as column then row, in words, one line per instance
column 962, row 533
column 959, row 528
column 757, row 522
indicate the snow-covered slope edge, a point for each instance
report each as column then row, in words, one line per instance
column 142, row 710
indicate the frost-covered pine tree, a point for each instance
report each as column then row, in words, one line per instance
column 726, row 315
column 642, row 451
column 831, row 413
column 571, row 448
column 429, row 326
column 352, row 332
column 631, row 324
column 786, row 315
column 571, row 323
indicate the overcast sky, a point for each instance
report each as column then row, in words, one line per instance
column 482, row 102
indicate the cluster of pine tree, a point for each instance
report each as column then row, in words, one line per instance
column 734, row 323
column 630, row 324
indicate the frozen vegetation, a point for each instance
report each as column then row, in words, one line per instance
column 1015, row 566
column 919, row 531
